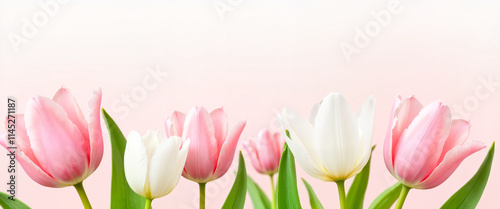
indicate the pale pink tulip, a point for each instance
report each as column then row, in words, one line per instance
column 212, row 148
column 57, row 147
column 265, row 154
column 424, row 145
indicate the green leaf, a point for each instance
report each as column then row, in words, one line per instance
column 469, row 195
column 7, row 203
column 258, row 197
column 387, row 198
column 287, row 195
column 313, row 199
column 122, row 196
column 238, row 193
column 357, row 191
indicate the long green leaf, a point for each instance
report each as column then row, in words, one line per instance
column 313, row 199
column 387, row 198
column 258, row 197
column 469, row 195
column 357, row 191
column 287, row 195
column 122, row 196
column 7, row 203
column 238, row 193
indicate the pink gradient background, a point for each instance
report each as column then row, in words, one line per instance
column 261, row 57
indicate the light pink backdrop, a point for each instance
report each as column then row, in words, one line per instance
column 254, row 59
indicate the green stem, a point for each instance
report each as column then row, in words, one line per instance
column 402, row 196
column 202, row 195
column 342, row 199
column 148, row 203
column 83, row 196
column 273, row 206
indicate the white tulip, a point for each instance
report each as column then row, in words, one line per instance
column 153, row 163
column 335, row 143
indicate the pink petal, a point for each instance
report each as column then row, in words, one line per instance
column 55, row 140
column 174, row 124
column 202, row 157
column 458, row 134
column 421, row 144
column 402, row 114
column 22, row 140
column 227, row 152
column 280, row 142
column 36, row 173
column 95, row 132
column 251, row 149
column 269, row 158
column 450, row 163
column 219, row 119
column 66, row 100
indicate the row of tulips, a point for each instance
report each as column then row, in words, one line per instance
column 58, row 147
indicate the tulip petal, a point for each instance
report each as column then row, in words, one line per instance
column 402, row 114
column 421, row 144
column 458, row 135
column 305, row 161
column 36, row 173
column 202, row 157
column 65, row 99
column 165, row 173
column 280, row 143
column 219, row 119
column 313, row 113
column 450, row 163
column 268, row 156
column 150, row 141
column 136, row 164
column 174, row 124
column 301, row 132
column 227, row 151
column 95, row 132
column 251, row 149
column 366, row 118
column 22, row 141
column 337, row 136
column 55, row 140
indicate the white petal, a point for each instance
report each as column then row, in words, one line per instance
column 164, row 173
column 150, row 141
column 365, row 119
column 313, row 113
column 337, row 136
column 136, row 163
column 308, row 165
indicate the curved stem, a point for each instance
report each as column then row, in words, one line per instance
column 342, row 199
column 83, row 196
column 273, row 206
column 148, row 203
column 202, row 195
column 402, row 196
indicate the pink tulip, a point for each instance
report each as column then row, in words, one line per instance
column 212, row 148
column 424, row 146
column 265, row 155
column 57, row 147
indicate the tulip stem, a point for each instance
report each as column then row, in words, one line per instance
column 202, row 195
column 83, row 196
column 148, row 203
column 273, row 206
column 402, row 196
column 341, row 189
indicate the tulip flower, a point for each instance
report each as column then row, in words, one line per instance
column 424, row 145
column 57, row 147
column 212, row 147
column 335, row 143
column 153, row 164
column 265, row 154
